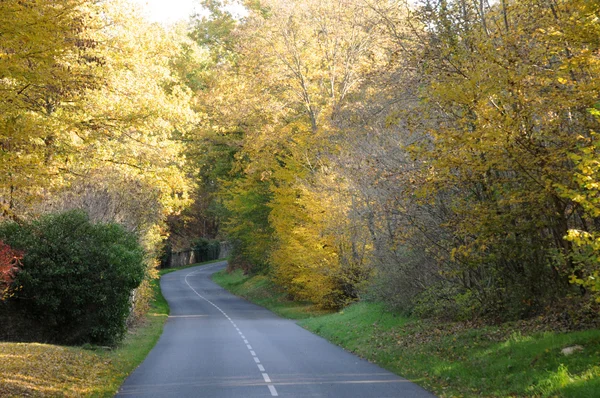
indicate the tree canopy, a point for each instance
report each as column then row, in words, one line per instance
column 442, row 153
column 441, row 156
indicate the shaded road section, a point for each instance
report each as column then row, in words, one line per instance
column 218, row 345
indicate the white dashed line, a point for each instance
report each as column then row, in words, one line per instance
column 273, row 391
column 260, row 367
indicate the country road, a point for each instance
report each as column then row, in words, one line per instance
column 218, row 345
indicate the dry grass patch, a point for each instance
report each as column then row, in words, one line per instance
column 36, row 370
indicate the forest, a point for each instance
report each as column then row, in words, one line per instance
column 440, row 156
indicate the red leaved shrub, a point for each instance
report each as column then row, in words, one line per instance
column 10, row 260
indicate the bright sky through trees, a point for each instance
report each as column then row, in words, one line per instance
column 167, row 11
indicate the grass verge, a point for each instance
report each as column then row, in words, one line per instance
column 464, row 359
column 45, row 370
column 450, row 359
column 260, row 290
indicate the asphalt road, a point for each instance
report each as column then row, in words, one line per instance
column 217, row 345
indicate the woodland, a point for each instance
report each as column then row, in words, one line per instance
column 440, row 156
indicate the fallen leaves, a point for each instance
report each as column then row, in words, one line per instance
column 35, row 370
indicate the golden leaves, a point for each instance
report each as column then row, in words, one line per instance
column 42, row 370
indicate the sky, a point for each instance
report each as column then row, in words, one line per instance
column 167, row 11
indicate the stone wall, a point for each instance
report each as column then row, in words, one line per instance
column 192, row 256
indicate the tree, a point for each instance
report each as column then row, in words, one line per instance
column 444, row 145
column 290, row 69
column 93, row 117
column 510, row 86
column 116, row 150
column 48, row 61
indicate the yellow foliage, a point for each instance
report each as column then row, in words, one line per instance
column 304, row 257
column 49, row 64
column 42, row 370
column 277, row 99
column 315, row 250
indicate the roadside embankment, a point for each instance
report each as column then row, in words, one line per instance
column 519, row 359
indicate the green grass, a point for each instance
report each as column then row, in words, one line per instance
column 453, row 359
column 449, row 359
column 260, row 290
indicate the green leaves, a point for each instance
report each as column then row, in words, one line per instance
column 76, row 277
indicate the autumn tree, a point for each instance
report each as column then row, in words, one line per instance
column 291, row 68
column 509, row 86
column 445, row 150
column 129, row 143
column 48, row 61
column 93, row 116
column 583, row 191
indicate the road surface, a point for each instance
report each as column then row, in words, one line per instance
column 215, row 344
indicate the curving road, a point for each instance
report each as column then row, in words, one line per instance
column 218, row 345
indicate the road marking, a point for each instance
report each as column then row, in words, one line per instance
column 260, row 367
column 273, row 391
column 186, row 316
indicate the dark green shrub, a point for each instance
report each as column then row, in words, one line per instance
column 77, row 277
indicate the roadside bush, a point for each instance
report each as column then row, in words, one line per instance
column 9, row 265
column 76, row 278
